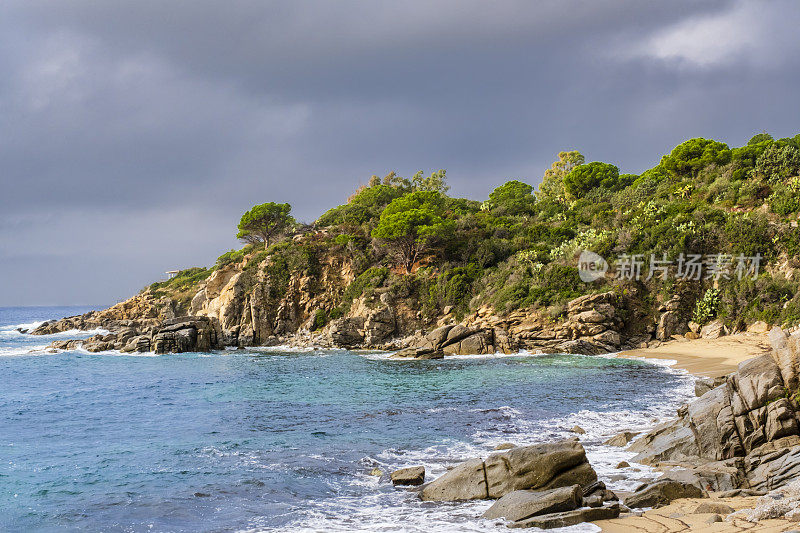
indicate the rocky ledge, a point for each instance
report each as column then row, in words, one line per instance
column 176, row 335
column 592, row 326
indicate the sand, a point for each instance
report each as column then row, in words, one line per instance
column 680, row 516
column 708, row 358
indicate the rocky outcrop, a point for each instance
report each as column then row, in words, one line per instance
column 661, row 493
column 569, row 518
column 743, row 433
column 522, row 504
column 413, row 475
column 177, row 335
column 592, row 326
column 537, row 467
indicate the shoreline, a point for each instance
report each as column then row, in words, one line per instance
column 702, row 358
column 706, row 358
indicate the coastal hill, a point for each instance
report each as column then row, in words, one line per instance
column 704, row 243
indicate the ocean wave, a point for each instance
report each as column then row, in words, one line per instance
column 18, row 351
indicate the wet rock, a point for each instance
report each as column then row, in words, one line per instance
column 661, row 493
column 623, row 464
column 579, row 430
column 537, row 467
column 621, row 439
column 505, row 446
column 417, row 353
column 414, row 475
column 522, row 504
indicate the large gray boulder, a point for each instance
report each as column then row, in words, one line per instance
column 522, row 504
column 537, row 467
column 660, row 493
column 186, row 334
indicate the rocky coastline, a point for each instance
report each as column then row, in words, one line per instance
column 739, row 438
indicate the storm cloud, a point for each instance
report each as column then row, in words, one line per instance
column 133, row 134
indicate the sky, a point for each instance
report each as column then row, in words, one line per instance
column 134, row 133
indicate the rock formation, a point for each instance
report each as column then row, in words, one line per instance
column 743, row 433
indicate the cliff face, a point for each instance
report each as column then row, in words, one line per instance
column 258, row 301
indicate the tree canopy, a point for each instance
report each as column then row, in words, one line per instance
column 584, row 178
column 410, row 223
column 263, row 222
column 436, row 182
column 552, row 185
column 692, row 155
column 512, row 198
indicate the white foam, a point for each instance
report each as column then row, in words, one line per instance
column 24, row 351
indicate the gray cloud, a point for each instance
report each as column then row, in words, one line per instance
column 134, row 133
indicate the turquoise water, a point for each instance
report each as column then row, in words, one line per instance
column 275, row 439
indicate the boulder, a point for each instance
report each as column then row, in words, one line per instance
column 467, row 481
column 672, row 440
column 669, row 324
column 605, row 301
column 476, row 343
column 346, row 332
column 380, row 324
column 661, row 493
column 759, row 327
column 413, row 475
column 713, row 507
column 713, row 330
column 621, row 439
column 703, row 385
column 522, row 504
column 569, row 518
column 417, row 353
column 536, row 467
column 769, row 470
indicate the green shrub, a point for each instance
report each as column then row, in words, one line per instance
column 706, row 308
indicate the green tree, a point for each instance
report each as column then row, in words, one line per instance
column 512, row 198
column 263, row 222
column 552, row 185
column 411, row 224
column 695, row 154
column 436, row 182
column 777, row 163
column 759, row 138
column 585, row 178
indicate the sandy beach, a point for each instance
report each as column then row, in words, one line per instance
column 707, row 358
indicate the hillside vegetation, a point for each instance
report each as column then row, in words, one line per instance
column 518, row 248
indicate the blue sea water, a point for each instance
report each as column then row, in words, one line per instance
column 275, row 439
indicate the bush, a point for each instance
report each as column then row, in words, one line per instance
column 706, row 308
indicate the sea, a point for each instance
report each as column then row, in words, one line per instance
column 280, row 439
